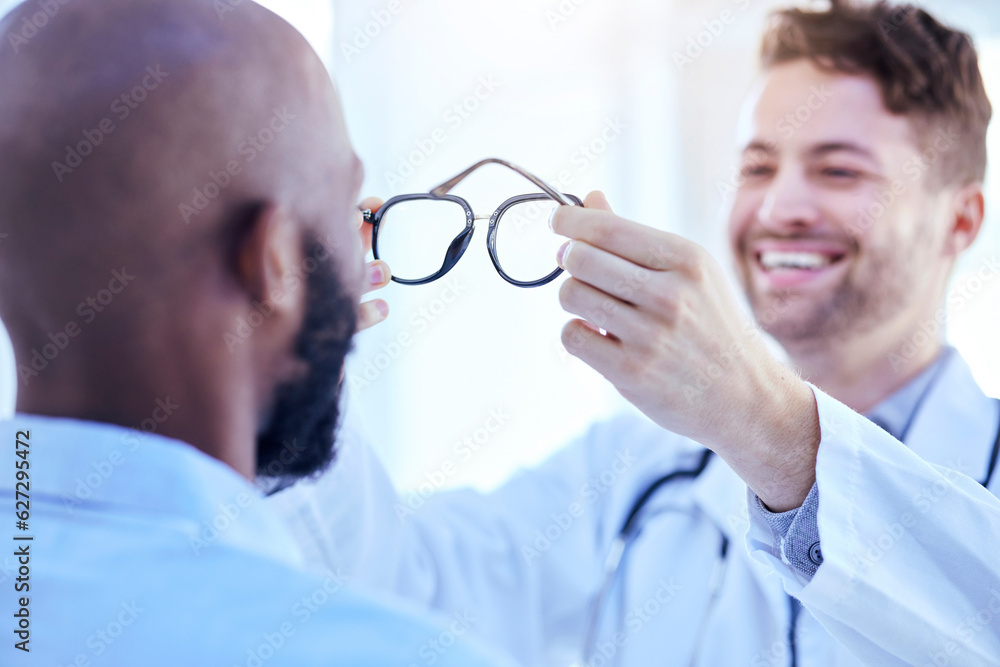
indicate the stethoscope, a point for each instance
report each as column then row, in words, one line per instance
column 630, row 530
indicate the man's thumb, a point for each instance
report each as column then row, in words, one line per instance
column 596, row 199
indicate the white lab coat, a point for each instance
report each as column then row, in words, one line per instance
column 526, row 560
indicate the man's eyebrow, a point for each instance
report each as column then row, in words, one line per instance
column 760, row 146
column 842, row 146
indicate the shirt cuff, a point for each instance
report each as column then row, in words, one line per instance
column 794, row 534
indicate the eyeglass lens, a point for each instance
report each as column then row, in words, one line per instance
column 414, row 237
column 525, row 246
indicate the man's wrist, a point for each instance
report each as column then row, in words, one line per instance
column 787, row 445
column 775, row 449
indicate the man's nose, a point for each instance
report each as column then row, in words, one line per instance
column 790, row 202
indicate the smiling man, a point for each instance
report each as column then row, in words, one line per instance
column 845, row 227
column 842, row 218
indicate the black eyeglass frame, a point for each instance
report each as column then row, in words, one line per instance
column 460, row 243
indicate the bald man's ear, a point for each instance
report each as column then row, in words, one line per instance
column 968, row 209
column 266, row 257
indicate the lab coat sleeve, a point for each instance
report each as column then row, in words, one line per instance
column 910, row 571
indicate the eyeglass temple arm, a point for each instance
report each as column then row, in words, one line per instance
column 445, row 187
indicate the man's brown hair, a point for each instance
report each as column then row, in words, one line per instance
column 927, row 72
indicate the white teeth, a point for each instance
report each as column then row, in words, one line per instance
column 771, row 259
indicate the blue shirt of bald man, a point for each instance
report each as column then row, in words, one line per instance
column 142, row 550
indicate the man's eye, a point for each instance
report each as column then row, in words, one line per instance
column 840, row 173
column 756, row 171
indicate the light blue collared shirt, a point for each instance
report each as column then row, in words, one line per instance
column 148, row 552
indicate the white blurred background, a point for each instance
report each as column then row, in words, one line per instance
column 589, row 95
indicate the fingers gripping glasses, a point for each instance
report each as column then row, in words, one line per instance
column 411, row 231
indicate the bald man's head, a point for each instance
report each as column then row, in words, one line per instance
column 178, row 189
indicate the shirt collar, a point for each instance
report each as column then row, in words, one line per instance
column 84, row 466
column 896, row 413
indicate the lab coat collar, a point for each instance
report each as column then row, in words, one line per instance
column 83, row 467
column 957, row 423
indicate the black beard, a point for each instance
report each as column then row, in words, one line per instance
column 299, row 438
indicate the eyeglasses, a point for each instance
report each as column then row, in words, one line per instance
column 411, row 232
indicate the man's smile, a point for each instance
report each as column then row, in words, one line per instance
column 780, row 264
